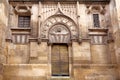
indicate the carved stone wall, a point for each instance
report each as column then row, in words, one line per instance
column 93, row 51
column 50, row 9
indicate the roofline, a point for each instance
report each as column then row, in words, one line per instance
column 83, row 1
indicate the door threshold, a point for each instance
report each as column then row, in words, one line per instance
column 60, row 77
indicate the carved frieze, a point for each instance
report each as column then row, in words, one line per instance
column 82, row 1
column 70, row 10
column 51, row 9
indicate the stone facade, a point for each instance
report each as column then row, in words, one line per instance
column 83, row 36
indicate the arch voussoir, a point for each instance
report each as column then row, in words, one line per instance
column 61, row 20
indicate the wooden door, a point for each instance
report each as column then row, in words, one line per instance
column 60, row 60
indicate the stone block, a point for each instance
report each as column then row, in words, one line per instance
column 81, row 52
column 25, row 71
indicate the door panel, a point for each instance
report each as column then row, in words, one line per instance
column 55, row 60
column 60, row 60
column 55, row 52
column 55, row 69
column 64, row 60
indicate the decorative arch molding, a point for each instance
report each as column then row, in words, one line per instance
column 96, row 8
column 64, row 21
column 59, row 34
column 22, row 9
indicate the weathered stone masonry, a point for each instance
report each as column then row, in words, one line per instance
column 59, row 40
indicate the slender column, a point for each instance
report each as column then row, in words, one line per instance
column 10, row 24
column 116, row 27
column 9, row 35
column 49, row 62
column 117, row 10
column 78, row 21
column 10, row 17
column 39, row 23
column 70, row 61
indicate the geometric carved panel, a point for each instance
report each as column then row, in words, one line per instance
column 98, row 39
column 20, row 38
column 59, row 19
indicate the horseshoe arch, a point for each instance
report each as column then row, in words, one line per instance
column 67, row 24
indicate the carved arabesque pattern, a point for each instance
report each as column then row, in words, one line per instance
column 69, row 10
column 59, row 34
column 50, row 9
column 59, row 19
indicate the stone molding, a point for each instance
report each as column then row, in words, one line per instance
column 85, row 1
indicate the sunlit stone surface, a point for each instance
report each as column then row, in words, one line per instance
column 63, row 40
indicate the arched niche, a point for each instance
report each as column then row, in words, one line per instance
column 62, row 20
column 59, row 34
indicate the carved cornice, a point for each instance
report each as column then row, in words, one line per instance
column 33, row 39
column 20, row 30
column 98, row 31
column 83, row 1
